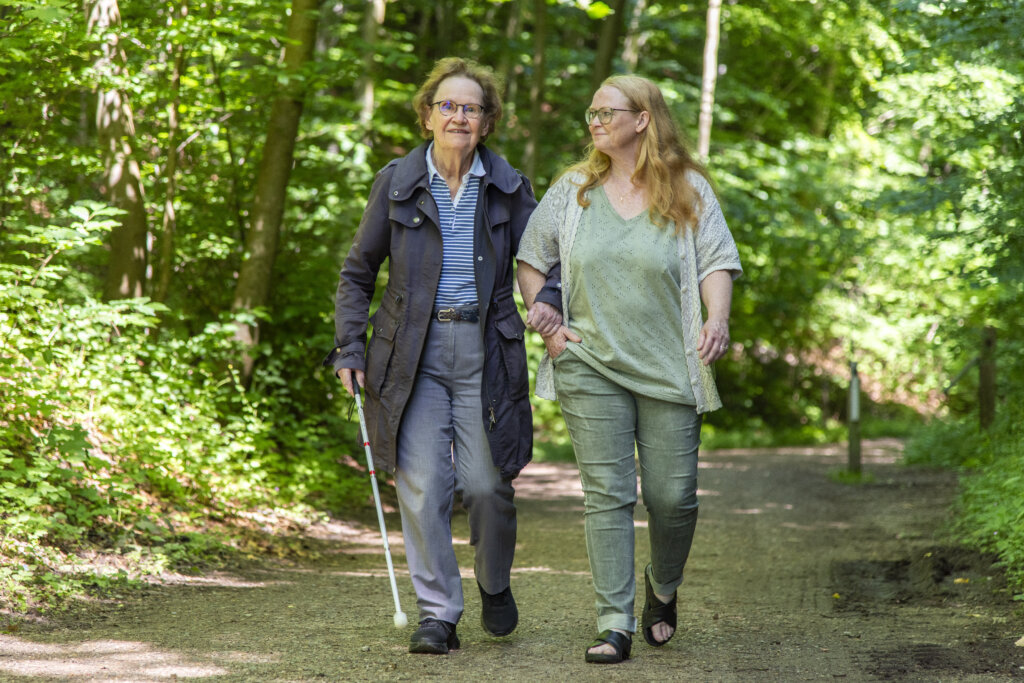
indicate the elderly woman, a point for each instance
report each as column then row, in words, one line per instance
column 447, row 405
column 642, row 242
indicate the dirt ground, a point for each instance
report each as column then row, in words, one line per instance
column 792, row 578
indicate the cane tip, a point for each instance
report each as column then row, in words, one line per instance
column 401, row 621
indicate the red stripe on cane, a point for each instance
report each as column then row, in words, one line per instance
column 366, row 443
column 373, row 472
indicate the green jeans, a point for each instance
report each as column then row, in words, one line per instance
column 612, row 429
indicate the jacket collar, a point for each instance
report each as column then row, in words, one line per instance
column 476, row 168
column 411, row 173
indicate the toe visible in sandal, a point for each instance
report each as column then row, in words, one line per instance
column 657, row 612
column 621, row 643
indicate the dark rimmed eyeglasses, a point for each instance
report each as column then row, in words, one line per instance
column 448, row 108
column 603, row 115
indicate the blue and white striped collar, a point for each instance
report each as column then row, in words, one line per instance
column 475, row 169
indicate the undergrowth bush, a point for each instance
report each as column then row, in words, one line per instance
column 118, row 437
column 990, row 508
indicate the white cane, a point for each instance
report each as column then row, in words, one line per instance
column 400, row 619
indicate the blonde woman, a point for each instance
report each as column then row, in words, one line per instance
column 642, row 243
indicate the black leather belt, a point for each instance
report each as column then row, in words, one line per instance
column 454, row 314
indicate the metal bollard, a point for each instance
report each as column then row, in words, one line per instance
column 853, row 417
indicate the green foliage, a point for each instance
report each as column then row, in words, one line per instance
column 990, row 513
column 870, row 171
column 115, row 437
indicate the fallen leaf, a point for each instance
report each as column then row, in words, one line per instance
column 961, row 580
column 1020, row 643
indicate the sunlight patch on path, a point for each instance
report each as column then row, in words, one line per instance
column 370, row 574
column 218, row 579
column 107, row 660
column 875, row 451
column 549, row 481
column 548, row 570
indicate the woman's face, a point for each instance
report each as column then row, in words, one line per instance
column 624, row 128
column 457, row 132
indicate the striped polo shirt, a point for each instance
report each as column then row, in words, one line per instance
column 458, row 220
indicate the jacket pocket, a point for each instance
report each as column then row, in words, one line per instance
column 511, row 330
column 380, row 350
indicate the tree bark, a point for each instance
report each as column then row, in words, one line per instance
column 253, row 289
column 608, row 43
column 122, row 177
column 707, row 91
column 540, row 30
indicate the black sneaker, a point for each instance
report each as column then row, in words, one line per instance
column 498, row 613
column 434, row 637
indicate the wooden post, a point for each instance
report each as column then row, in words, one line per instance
column 987, row 378
column 853, row 418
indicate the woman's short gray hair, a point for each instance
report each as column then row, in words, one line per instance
column 457, row 66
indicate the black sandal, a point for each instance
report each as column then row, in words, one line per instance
column 621, row 642
column 657, row 612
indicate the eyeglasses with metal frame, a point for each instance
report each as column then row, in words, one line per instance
column 449, row 108
column 603, row 115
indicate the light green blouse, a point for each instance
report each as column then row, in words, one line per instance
column 625, row 302
column 549, row 239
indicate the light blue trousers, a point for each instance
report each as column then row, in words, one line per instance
column 612, row 429
column 443, row 452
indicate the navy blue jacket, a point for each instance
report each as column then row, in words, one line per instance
column 400, row 224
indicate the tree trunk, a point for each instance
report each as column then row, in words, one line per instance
column 707, row 91
column 373, row 19
column 540, row 30
column 253, row 289
column 122, row 178
column 507, row 63
column 233, row 166
column 819, row 124
column 634, row 40
column 165, row 245
column 608, row 43
column 987, row 378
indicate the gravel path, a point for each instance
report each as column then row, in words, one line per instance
column 792, row 578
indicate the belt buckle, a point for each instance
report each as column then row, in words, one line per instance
column 446, row 315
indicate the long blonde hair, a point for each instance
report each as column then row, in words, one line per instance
column 662, row 164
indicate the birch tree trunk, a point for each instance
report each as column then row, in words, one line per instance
column 372, row 21
column 253, row 289
column 634, row 39
column 707, row 91
column 122, row 178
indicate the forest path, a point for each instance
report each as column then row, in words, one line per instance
column 792, row 578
